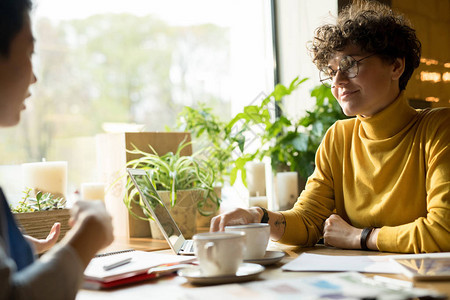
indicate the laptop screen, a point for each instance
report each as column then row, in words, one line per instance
column 159, row 211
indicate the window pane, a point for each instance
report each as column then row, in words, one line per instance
column 103, row 65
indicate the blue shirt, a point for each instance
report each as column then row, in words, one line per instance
column 16, row 246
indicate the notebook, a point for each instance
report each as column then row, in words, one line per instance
column 160, row 213
column 138, row 266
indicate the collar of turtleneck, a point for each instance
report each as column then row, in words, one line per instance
column 389, row 121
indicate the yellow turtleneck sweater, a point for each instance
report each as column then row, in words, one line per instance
column 390, row 171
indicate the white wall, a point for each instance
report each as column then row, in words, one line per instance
column 297, row 21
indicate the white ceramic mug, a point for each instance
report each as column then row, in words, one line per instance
column 258, row 235
column 219, row 253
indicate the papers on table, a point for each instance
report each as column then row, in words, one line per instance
column 308, row 262
column 369, row 264
column 344, row 285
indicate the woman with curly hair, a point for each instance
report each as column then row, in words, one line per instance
column 382, row 178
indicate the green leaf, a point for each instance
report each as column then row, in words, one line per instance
column 233, row 175
column 300, row 142
column 318, row 128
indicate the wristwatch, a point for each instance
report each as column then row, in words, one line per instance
column 364, row 237
column 265, row 217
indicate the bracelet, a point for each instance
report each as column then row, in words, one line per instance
column 265, row 217
column 364, row 237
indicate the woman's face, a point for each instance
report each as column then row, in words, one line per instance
column 374, row 88
column 16, row 75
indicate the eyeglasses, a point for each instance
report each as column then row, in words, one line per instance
column 347, row 65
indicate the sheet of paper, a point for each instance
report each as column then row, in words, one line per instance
column 140, row 262
column 369, row 264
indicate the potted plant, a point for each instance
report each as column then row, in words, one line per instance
column 36, row 215
column 291, row 145
column 185, row 184
column 217, row 145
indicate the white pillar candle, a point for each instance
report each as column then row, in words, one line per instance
column 93, row 191
column 47, row 177
column 256, row 179
column 287, row 189
column 258, row 201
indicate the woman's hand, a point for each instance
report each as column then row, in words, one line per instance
column 42, row 245
column 91, row 229
column 338, row 233
column 238, row 216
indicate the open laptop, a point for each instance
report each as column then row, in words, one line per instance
column 162, row 216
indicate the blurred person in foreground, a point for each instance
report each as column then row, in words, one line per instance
column 382, row 179
column 58, row 273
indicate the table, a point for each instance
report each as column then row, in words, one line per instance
column 174, row 287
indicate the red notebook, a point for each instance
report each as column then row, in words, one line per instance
column 98, row 284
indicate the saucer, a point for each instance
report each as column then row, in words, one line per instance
column 271, row 257
column 245, row 272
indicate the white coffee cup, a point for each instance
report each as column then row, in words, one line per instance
column 219, row 253
column 258, row 235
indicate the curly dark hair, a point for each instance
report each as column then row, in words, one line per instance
column 373, row 27
column 12, row 13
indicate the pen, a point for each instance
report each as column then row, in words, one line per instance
column 117, row 264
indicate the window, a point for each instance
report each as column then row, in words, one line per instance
column 108, row 65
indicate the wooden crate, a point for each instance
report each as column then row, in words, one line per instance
column 38, row 224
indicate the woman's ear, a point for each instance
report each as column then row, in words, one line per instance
column 399, row 68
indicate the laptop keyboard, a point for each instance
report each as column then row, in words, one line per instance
column 188, row 246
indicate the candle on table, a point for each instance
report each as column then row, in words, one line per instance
column 93, row 191
column 256, row 179
column 287, row 189
column 47, row 177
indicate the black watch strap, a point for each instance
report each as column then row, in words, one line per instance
column 364, row 237
column 265, row 217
